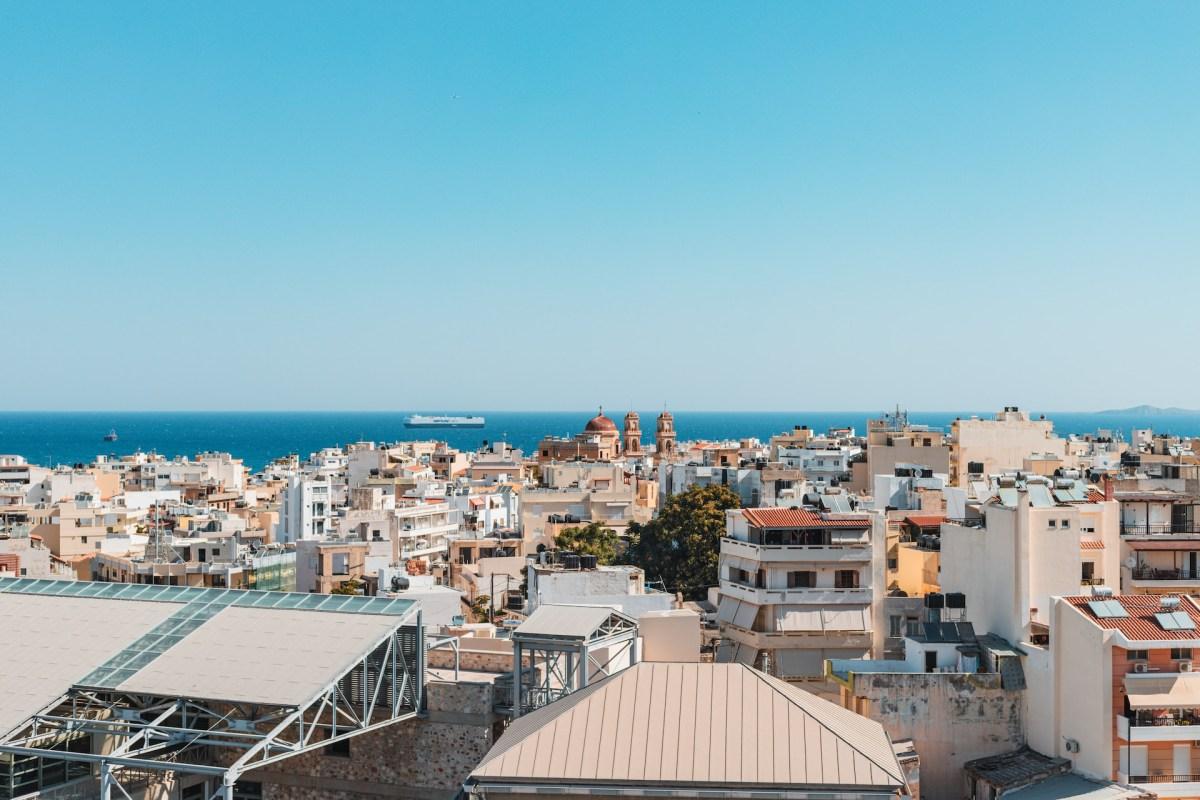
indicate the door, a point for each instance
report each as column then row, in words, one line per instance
column 1138, row 763
column 1192, row 563
column 1182, row 762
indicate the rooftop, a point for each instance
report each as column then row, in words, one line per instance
column 658, row 725
column 800, row 518
column 1141, row 617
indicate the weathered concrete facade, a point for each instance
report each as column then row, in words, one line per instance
column 952, row 718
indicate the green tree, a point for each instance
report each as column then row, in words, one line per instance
column 592, row 539
column 681, row 545
column 352, row 586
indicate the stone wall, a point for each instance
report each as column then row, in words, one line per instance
column 952, row 718
column 426, row 758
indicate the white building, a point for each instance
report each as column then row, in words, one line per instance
column 305, row 509
column 799, row 587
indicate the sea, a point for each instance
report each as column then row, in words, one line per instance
column 257, row 437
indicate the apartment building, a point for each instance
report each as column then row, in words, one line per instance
column 797, row 587
column 1029, row 539
column 824, row 460
column 306, row 508
column 1124, row 702
column 981, row 447
column 893, row 441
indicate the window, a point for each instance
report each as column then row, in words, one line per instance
column 1066, row 523
column 83, row 539
column 1089, row 571
column 339, row 749
column 845, row 579
column 1139, row 655
column 802, row 579
column 1181, row 653
column 895, row 625
column 1052, row 523
column 248, row 790
column 893, row 564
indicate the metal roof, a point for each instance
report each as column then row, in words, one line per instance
column 217, row 644
column 693, row 725
column 50, row 643
column 344, row 604
column 265, row 656
column 567, row 621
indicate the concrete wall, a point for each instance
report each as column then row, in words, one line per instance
column 951, row 718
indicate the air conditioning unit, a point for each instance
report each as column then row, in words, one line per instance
column 1141, row 666
column 1071, row 746
column 1185, row 666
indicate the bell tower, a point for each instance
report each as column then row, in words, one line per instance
column 633, row 434
column 664, row 436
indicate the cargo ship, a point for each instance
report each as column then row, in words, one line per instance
column 419, row 421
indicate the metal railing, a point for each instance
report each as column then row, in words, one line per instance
column 966, row 522
column 1163, row 574
column 1160, row 528
column 1164, row 722
column 1166, row 778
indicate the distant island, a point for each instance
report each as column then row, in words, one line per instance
column 1151, row 411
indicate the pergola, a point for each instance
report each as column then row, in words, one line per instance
column 222, row 682
column 568, row 642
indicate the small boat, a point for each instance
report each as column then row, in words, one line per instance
column 111, row 436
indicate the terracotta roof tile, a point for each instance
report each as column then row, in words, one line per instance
column 1140, row 625
column 1091, row 544
column 925, row 520
column 800, row 518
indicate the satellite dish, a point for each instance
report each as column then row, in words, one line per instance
column 1131, row 562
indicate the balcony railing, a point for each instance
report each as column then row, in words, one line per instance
column 1168, row 778
column 966, row 522
column 1160, row 529
column 1169, row 720
column 1163, row 574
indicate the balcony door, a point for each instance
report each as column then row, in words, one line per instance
column 1135, row 761
column 1182, row 762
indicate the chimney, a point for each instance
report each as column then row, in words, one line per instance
column 1108, row 487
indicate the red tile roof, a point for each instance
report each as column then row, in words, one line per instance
column 1173, row 544
column 1095, row 496
column 1140, row 625
column 925, row 520
column 1091, row 544
column 800, row 518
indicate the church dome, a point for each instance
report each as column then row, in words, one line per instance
column 600, row 424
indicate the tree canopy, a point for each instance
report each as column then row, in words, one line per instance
column 592, row 539
column 681, row 545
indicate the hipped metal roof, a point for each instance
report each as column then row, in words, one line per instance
column 693, row 725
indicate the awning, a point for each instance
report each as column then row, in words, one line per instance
column 847, row 619
column 799, row 663
column 737, row 612
column 798, row 618
column 1174, row 544
column 1163, row 691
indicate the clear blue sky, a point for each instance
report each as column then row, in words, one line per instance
column 521, row 205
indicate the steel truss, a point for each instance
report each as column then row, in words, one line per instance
column 216, row 738
column 566, row 661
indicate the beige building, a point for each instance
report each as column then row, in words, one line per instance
column 984, row 446
column 799, row 587
column 1122, row 702
column 892, row 441
column 1031, row 540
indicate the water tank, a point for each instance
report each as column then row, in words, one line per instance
column 588, row 562
column 935, row 600
column 956, row 600
column 569, row 561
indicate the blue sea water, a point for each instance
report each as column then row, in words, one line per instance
column 257, row 437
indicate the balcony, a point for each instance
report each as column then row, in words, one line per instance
column 824, row 596
column 786, row 640
column 1160, row 529
column 796, row 553
column 1168, row 727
